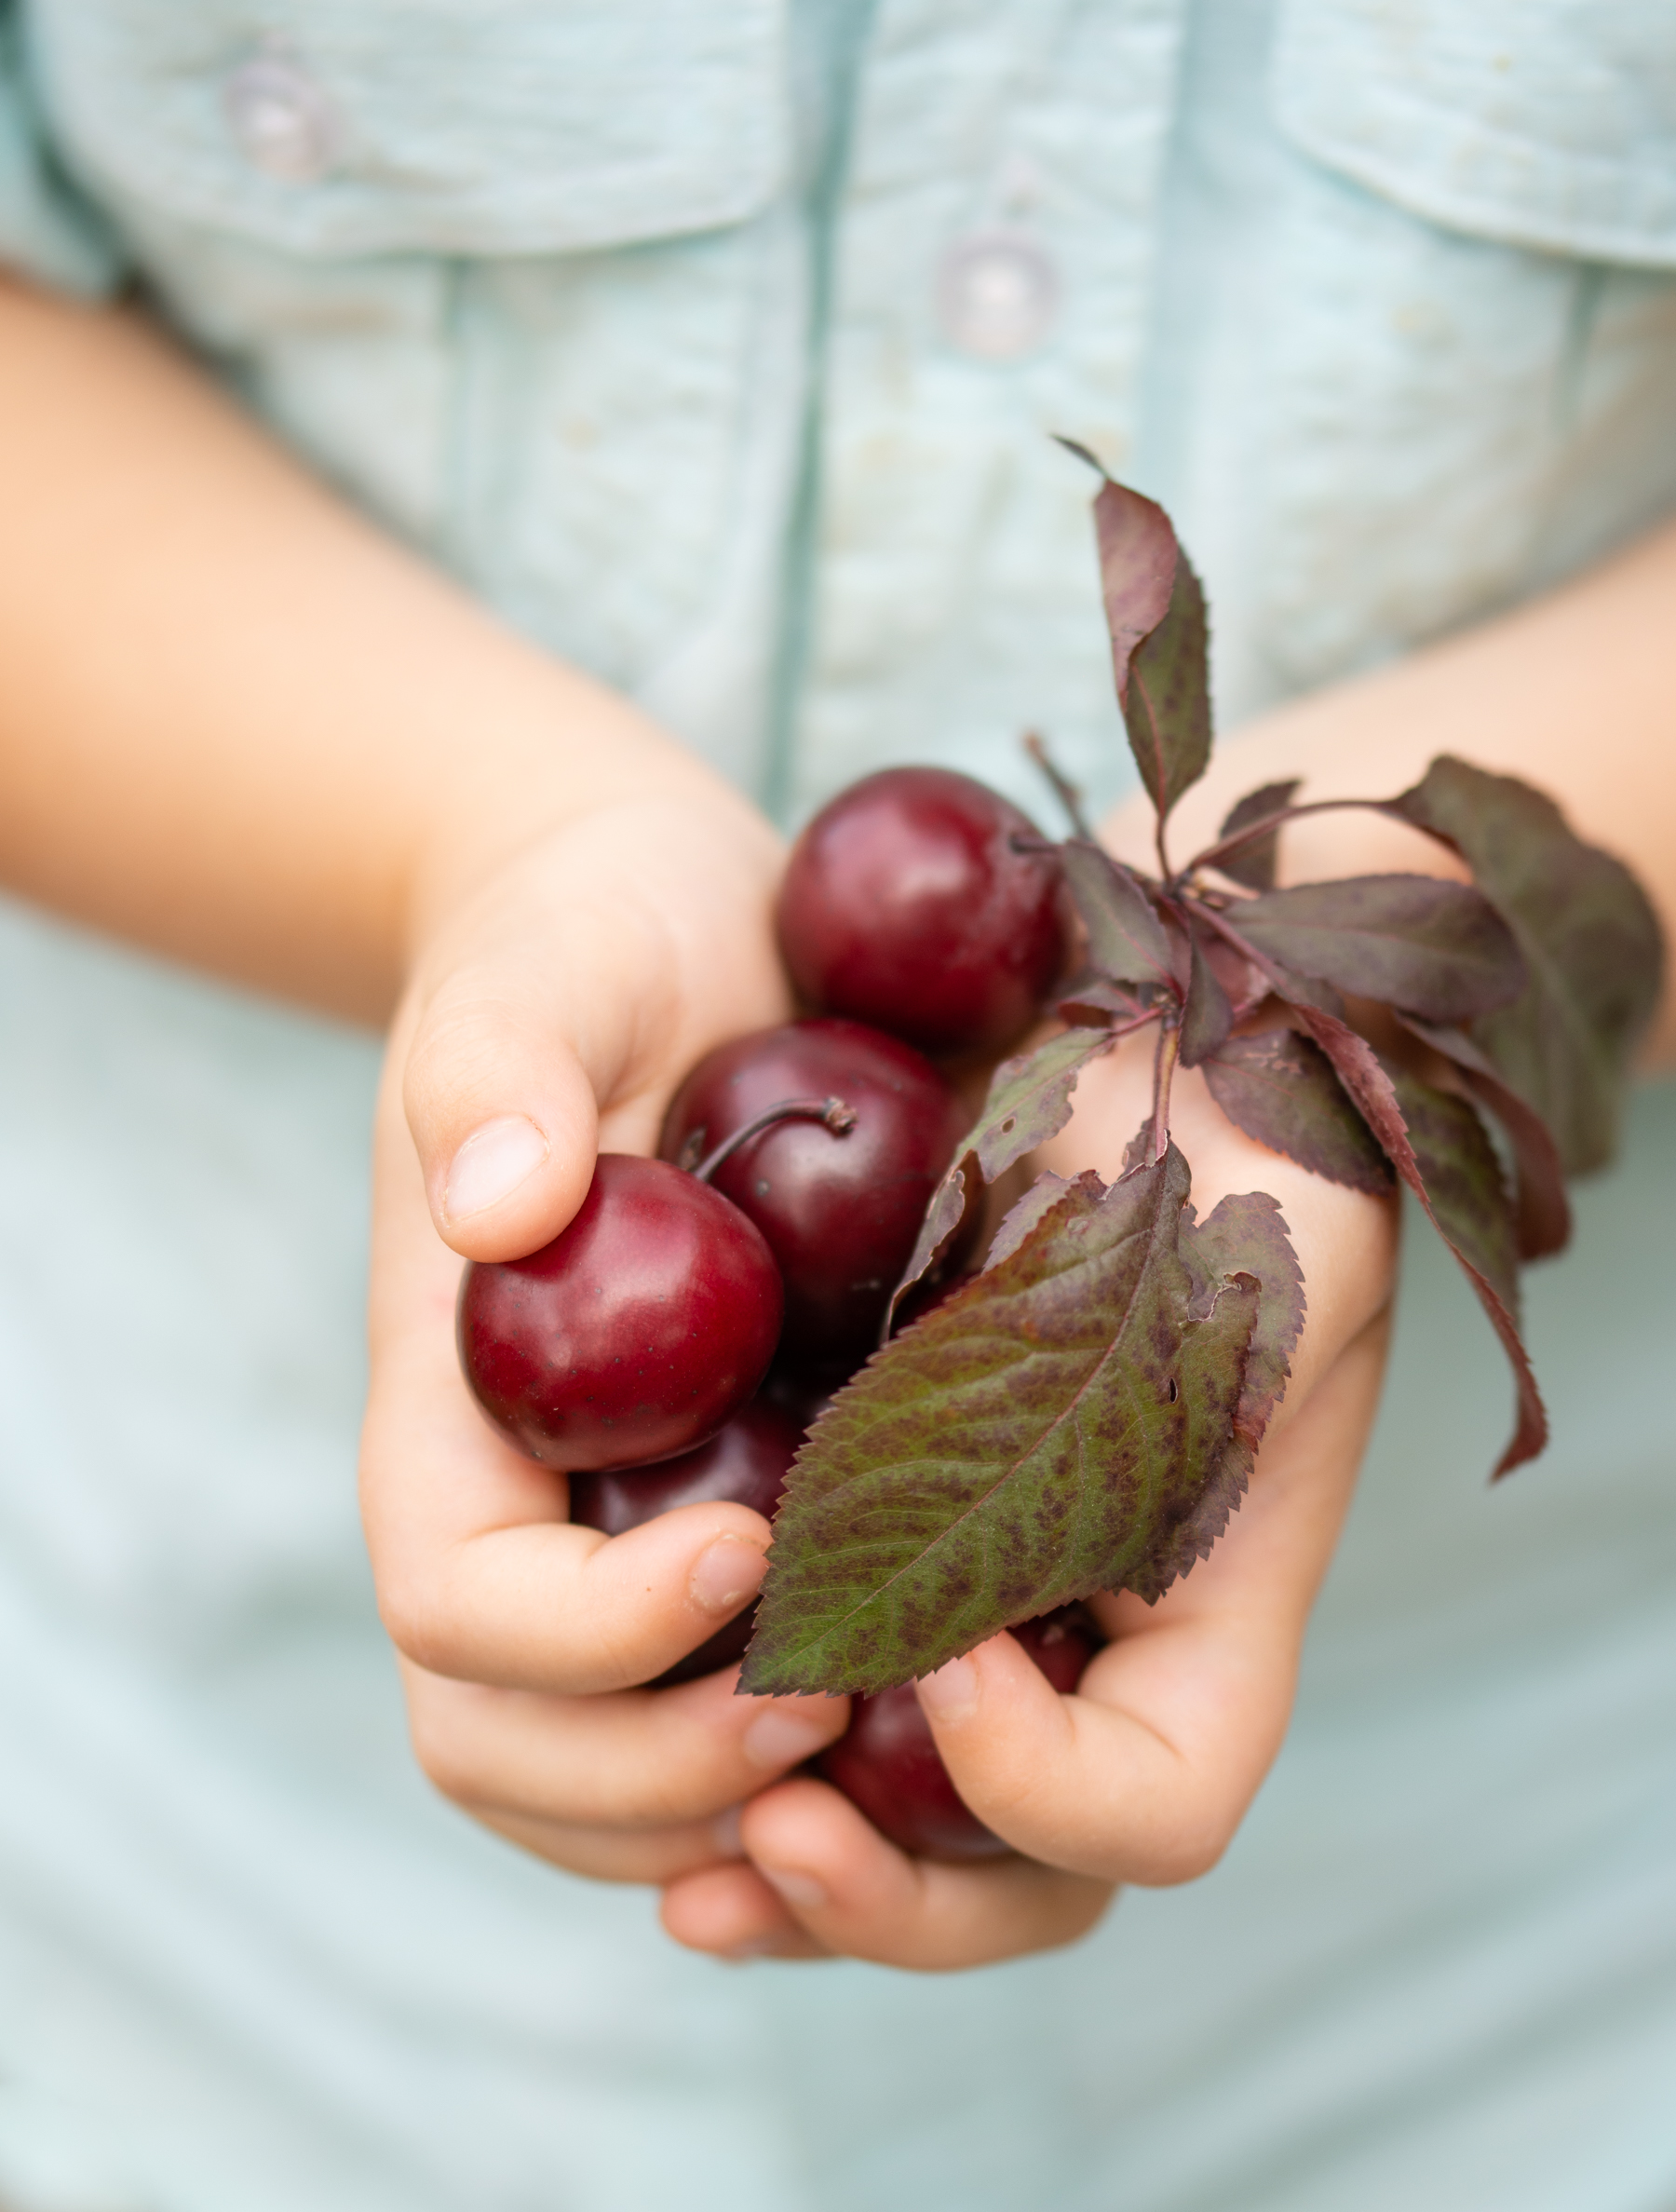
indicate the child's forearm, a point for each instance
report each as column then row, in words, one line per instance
column 1574, row 693
column 237, row 724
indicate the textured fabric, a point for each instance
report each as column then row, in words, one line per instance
column 650, row 324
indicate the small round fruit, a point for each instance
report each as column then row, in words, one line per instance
column 906, row 905
column 635, row 1334
column 743, row 1464
column 840, row 1211
column 887, row 1764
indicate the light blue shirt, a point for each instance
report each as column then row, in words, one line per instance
column 718, row 346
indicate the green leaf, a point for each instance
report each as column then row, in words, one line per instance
column 1247, row 1233
column 1254, row 863
column 1154, row 610
column 1591, row 945
column 1127, row 941
column 1029, row 1101
column 1438, row 949
column 1280, row 1089
column 1054, row 1428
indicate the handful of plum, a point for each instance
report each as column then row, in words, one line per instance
column 1082, row 1412
column 669, row 1347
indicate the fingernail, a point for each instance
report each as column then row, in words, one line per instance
column 727, row 1573
column 779, row 1739
column 724, row 1830
column 801, row 1891
column 951, row 1692
column 491, row 1164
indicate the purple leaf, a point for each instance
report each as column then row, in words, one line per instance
column 1591, row 942
column 1542, row 1209
column 1435, row 948
column 1089, row 999
column 1051, row 1428
column 1360, row 1070
column 1127, row 941
column 1209, row 1015
column 1155, row 611
column 1029, row 1102
column 1254, row 863
column 1280, row 1089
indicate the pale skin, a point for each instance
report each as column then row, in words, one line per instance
column 239, row 727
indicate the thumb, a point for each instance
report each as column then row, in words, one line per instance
column 501, row 1109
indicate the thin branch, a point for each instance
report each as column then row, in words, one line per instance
column 1164, row 1068
column 1068, row 793
column 1214, row 855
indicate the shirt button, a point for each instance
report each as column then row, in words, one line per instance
column 997, row 293
column 281, row 118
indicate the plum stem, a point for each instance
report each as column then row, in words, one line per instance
column 832, row 1113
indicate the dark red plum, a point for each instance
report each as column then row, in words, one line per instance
column 887, row 1764
column 743, row 1464
column 906, row 903
column 840, row 1212
column 635, row 1334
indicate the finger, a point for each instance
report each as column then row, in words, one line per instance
column 499, row 1099
column 635, row 1759
column 731, row 1913
column 854, row 1894
column 647, row 1855
column 479, row 1572
column 595, row 968
column 1144, row 1775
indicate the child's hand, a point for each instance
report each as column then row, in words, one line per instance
column 1146, row 1772
column 596, row 967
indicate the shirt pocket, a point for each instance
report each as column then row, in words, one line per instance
column 343, row 128
column 1464, row 381
column 1549, row 123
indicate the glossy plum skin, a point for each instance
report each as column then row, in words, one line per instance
column 886, row 1762
column 904, row 904
column 743, row 1464
column 840, row 1212
column 635, row 1334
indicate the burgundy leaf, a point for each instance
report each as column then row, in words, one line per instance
column 1127, row 941
column 1029, row 1101
column 1542, row 1209
column 1358, row 1067
column 1166, row 711
column 1591, row 942
column 1254, row 863
column 1435, row 948
column 1208, row 1015
column 1051, row 1430
column 1089, row 1000
column 1155, row 611
column 1280, row 1089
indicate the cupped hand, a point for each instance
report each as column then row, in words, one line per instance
column 551, row 1014
column 1145, row 1773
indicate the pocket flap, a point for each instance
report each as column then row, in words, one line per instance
column 1544, row 123
column 455, row 126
